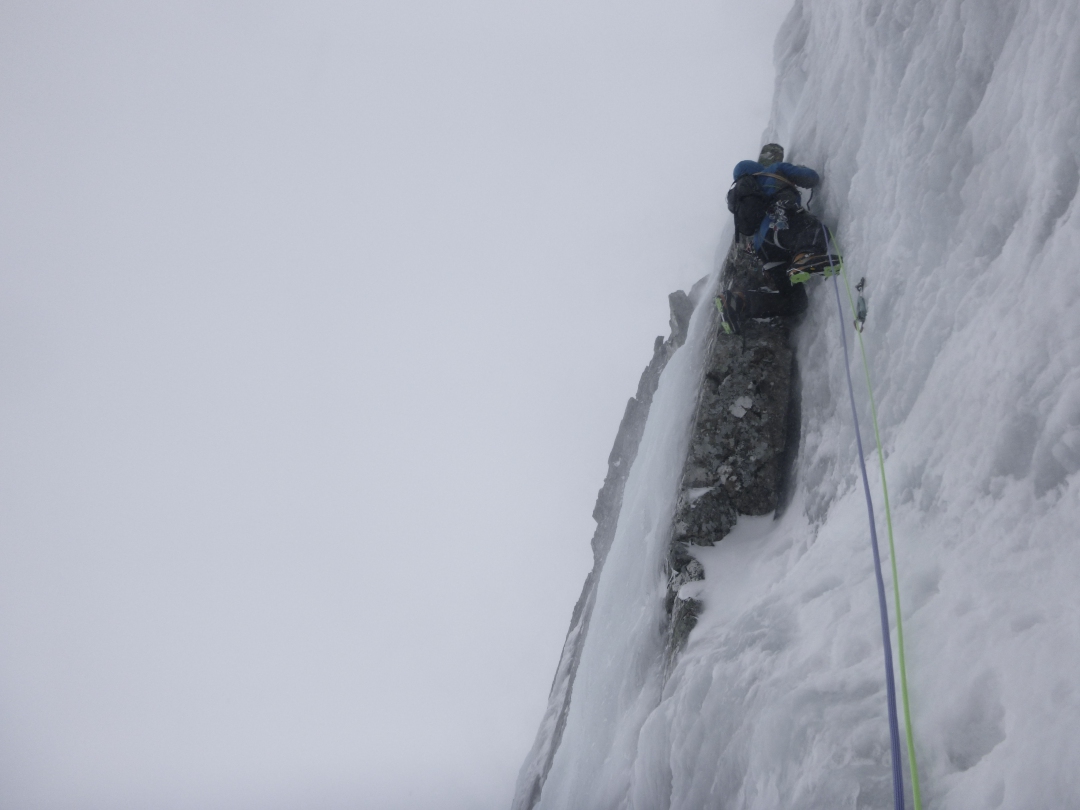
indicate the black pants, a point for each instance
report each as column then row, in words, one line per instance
column 803, row 234
column 789, row 299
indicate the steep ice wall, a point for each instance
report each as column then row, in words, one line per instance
column 948, row 134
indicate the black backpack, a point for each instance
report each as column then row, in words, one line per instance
column 748, row 203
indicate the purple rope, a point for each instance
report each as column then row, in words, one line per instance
column 890, row 686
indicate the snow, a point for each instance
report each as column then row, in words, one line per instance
column 948, row 134
column 593, row 764
column 741, row 406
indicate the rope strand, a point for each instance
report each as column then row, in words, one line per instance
column 916, row 792
column 890, row 686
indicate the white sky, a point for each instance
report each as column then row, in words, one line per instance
column 316, row 326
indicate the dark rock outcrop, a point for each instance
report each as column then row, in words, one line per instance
column 739, row 448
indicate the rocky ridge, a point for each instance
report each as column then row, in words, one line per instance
column 745, row 429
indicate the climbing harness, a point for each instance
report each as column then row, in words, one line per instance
column 776, row 220
column 859, row 310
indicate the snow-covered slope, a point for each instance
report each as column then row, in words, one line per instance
column 948, row 133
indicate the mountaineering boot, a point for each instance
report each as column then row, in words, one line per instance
column 804, row 264
column 732, row 307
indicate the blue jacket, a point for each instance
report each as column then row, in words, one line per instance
column 799, row 175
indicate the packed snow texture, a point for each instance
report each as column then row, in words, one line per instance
column 948, row 135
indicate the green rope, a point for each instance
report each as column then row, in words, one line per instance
column 915, row 791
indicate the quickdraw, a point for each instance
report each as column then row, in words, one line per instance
column 860, row 306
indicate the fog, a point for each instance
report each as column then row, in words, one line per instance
column 317, row 322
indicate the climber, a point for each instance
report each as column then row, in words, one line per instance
column 787, row 238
